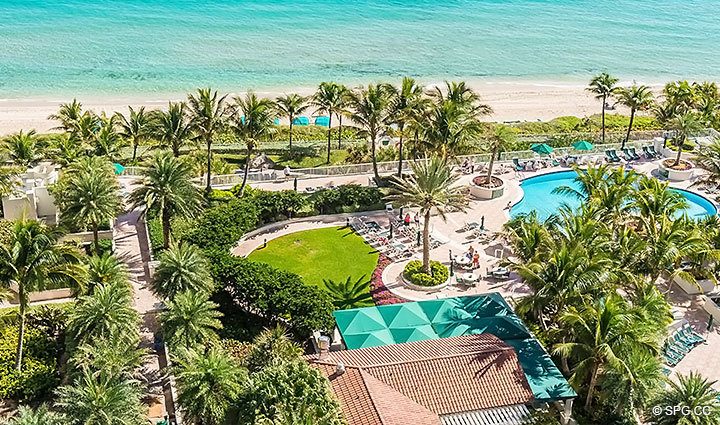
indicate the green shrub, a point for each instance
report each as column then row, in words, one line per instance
column 414, row 273
column 358, row 198
column 222, row 225
column 274, row 206
column 155, row 232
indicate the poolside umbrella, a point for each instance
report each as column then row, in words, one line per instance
column 541, row 148
column 118, row 168
column 583, row 145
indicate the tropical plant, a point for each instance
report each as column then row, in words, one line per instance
column 407, row 102
column 107, row 313
column 370, row 108
column 114, row 357
column 291, row 105
column 348, row 294
column 166, row 188
column 88, row 195
column 430, row 188
column 708, row 158
column 190, row 320
column 68, row 116
column 272, row 347
column 38, row 416
column 182, row 267
column 328, row 99
column 208, row 114
column 24, row 149
column 64, row 150
column 501, row 139
column 172, row 128
column 106, row 140
column 452, row 124
column 252, row 120
column 105, row 269
column 207, row 383
column 8, row 180
column 603, row 87
column 136, row 127
column 342, row 109
column 691, row 400
column 637, row 98
column 684, row 126
column 32, row 260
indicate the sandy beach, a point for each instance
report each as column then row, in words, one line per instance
column 511, row 101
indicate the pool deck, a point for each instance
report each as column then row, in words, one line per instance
column 495, row 215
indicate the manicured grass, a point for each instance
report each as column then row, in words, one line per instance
column 330, row 253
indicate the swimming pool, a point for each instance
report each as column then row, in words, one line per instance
column 538, row 197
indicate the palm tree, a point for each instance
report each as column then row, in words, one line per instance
column 24, row 149
column 68, row 115
column 105, row 269
column 684, row 125
column 101, row 399
column 603, row 86
column 598, row 331
column 328, row 99
column 637, row 98
column 107, row 141
column 86, row 129
column 107, row 355
column 107, row 313
column 172, row 127
column 65, row 150
column 291, row 105
column 693, row 393
column 430, row 188
column 342, row 110
column 272, row 347
column 406, row 101
column 181, row 267
column 462, row 95
column 88, row 195
column 190, row 320
column 38, row 416
column 32, row 260
column 166, row 188
column 708, row 158
column 252, row 120
column 451, row 127
column 501, row 139
column 347, row 294
column 370, row 108
column 9, row 180
column 208, row 383
column 208, row 114
column 136, row 127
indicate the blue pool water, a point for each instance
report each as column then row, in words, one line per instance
column 76, row 47
column 538, row 197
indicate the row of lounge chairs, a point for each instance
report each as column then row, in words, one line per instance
column 679, row 343
column 630, row 154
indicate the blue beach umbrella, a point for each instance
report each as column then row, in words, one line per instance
column 583, row 145
column 322, row 121
column 301, row 121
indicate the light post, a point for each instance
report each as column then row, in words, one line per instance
column 452, row 264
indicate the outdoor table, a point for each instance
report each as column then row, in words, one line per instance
column 470, row 277
column 372, row 225
column 500, row 272
column 463, row 261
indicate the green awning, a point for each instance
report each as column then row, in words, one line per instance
column 360, row 321
column 541, row 148
column 583, row 145
column 379, row 338
column 421, row 333
column 404, row 315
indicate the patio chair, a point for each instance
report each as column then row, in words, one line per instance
column 608, row 157
column 670, row 360
column 615, row 156
column 518, row 166
column 652, row 151
column 634, row 154
column 628, row 156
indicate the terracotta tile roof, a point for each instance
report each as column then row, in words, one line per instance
column 446, row 376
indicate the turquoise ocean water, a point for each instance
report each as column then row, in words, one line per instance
column 62, row 47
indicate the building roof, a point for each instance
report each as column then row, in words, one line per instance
column 385, row 326
column 419, row 382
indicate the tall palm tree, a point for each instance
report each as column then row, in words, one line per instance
column 328, row 99
column 637, row 98
column 291, row 105
column 64, row 150
column 85, row 129
column 342, row 110
column 208, row 383
column 462, row 95
column 190, row 320
column 105, row 269
column 24, row 149
column 684, row 125
column 172, row 128
column 252, row 121
column 451, row 128
column 101, row 399
column 348, row 294
column 406, row 101
column 166, row 188
column 107, row 313
column 182, row 267
column 603, row 87
column 432, row 189
column 208, row 113
column 501, row 139
column 107, row 141
column 68, row 116
column 692, row 392
column 88, row 195
column 38, row 416
column 32, row 260
column 370, row 108
column 136, row 127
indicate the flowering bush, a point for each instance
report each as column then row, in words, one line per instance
column 380, row 293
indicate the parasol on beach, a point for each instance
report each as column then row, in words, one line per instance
column 583, row 145
column 541, row 148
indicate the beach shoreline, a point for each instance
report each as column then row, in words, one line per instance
column 511, row 101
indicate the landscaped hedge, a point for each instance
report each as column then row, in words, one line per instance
column 222, row 225
column 274, row 206
column 347, row 198
column 414, row 273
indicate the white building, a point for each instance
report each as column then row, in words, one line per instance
column 32, row 199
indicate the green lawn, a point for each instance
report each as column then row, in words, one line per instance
column 330, row 253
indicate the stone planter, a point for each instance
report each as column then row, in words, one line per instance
column 711, row 307
column 423, row 288
column 674, row 174
column 702, row 286
column 480, row 191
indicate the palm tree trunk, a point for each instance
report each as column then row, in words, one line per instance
column 135, row 147
column 21, row 334
column 679, row 154
column 245, row 173
column 426, row 243
column 400, row 152
column 96, row 238
column 591, row 387
column 208, row 141
column 166, row 227
column 603, row 118
column 627, row 136
column 339, row 131
column 291, row 126
column 328, row 137
column 374, row 161
column 176, row 150
column 490, row 167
